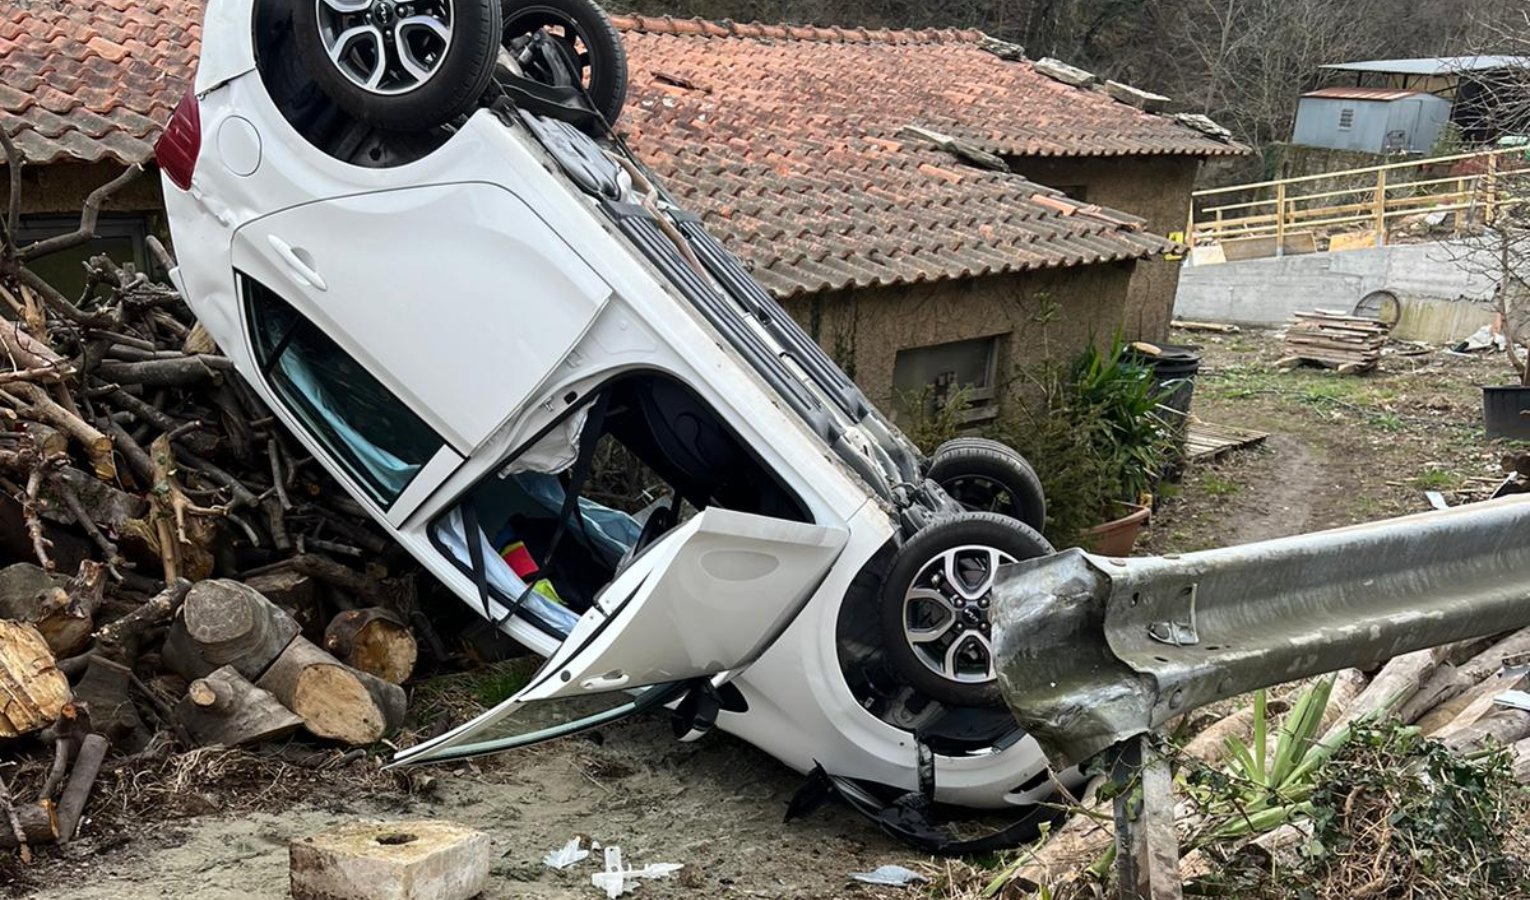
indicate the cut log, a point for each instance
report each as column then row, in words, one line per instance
column 87, row 765
column 1392, row 687
column 374, row 641
column 1489, row 661
column 39, row 824
column 333, row 700
column 225, row 623
column 1075, row 845
column 1499, row 727
column 63, row 614
column 1446, row 683
column 32, row 690
column 1465, row 710
column 296, row 593
column 225, row 708
column 107, row 684
column 1521, row 760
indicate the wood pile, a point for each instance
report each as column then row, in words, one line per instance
column 1333, row 340
column 171, row 562
column 1462, row 694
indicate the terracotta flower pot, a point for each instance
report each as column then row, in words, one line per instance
column 1118, row 536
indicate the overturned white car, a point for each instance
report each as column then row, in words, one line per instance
column 411, row 226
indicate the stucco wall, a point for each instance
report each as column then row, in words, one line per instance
column 864, row 330
column 1157, row 188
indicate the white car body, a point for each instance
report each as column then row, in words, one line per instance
column 528, row 295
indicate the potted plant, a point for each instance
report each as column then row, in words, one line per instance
column 1099, row 445
column 1092, row 431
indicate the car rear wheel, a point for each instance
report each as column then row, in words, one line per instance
column 404, row 65
column 936, row 604
column 988, row 476
column 591, row 43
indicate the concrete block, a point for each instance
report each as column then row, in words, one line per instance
column 426, row 859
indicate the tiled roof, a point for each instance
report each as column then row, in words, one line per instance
column 790, row 143
column 93, row 80
column 786, row 140
column 942, row 79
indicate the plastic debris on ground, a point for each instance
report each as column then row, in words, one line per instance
column 617, row 880
column 892, row 876
column 565, row 856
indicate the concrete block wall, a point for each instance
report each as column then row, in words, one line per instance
column 1441, row 285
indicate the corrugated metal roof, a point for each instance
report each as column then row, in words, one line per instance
column 1432, row 65
column 1361, row 93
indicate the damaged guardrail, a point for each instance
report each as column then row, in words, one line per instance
column 1093, row 651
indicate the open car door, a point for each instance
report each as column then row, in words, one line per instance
column 707, row 598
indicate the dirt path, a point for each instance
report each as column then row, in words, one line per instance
column 1284, row 504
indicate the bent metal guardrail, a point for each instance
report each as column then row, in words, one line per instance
column 1093, row 651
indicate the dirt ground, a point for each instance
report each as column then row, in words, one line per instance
column 215, row 824
column 1342, row 448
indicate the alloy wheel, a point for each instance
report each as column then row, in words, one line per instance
column 386, row 47
column 946, row 613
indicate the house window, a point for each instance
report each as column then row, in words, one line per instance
column 368, row 430
column 122, row 238
column 927, row 379
column 1346, row 118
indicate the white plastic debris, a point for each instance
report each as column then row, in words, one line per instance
column 892, row 876
column 617, row 880
column 1513, row 700
column 565, row 856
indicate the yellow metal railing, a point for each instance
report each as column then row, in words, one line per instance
column 1478, row 190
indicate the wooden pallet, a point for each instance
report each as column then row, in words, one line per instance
column 1334, row 340
column 1206, row 441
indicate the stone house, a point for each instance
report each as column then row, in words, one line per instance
column 935, row 208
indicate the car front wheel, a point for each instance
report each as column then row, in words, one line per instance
column 936, row 604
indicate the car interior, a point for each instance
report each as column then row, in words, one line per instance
column 647, row 454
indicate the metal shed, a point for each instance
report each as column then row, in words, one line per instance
column 1370, row 120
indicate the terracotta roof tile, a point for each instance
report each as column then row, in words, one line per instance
column 91, row 80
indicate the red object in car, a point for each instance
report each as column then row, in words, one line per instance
column 177, row 148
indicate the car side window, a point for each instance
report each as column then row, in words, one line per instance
column 373, row 434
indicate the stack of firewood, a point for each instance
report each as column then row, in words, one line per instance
column 171, row 563
column 1333, row 340
column 1461, row 694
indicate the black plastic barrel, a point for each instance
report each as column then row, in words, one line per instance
column 1506, row 411
column 1174, row 370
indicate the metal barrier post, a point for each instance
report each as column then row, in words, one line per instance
column 1147, row 847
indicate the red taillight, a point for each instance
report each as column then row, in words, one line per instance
column 176, row 150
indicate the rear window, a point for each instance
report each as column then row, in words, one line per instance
column 379, row 440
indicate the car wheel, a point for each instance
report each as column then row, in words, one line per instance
column 583, row 30
column 404, row 65
column 987, row 476
column 935, row 604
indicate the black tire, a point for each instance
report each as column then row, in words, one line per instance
column 916, row 564
column 457, row 80
column 603, row 59
column 987, row 476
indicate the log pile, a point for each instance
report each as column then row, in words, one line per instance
column 171, row 562
column 1458, row 694
column 1350, row 344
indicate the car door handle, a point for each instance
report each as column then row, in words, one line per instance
column 298, row 261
